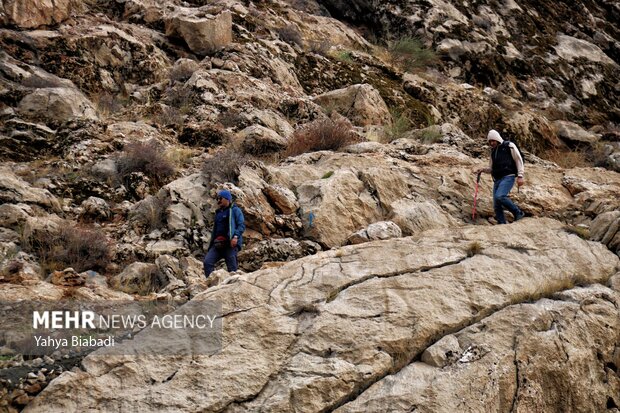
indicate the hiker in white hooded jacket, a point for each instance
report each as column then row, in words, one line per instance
column 506, row 165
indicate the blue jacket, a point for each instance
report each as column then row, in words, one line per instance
column 236, row 226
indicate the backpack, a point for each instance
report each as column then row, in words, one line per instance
column 519, row 149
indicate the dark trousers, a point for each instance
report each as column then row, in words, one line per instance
column 214, row 255
column 501, row 201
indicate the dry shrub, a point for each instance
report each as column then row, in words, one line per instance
column 225, row 165
column 170, row 117
column 291, row 35
column 566, row 158
column 181, row 97
column 149, row 214
column 107, row 103
column 182, row 72
column 321, row 135
column 232, row 118
column 146, row 157
column 320, row 47
column 473, row 248
column 82, row 248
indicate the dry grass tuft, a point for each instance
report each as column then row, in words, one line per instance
column 321, row 135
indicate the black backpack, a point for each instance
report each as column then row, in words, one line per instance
column 519, row 149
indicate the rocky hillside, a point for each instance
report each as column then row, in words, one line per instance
column 348, row 132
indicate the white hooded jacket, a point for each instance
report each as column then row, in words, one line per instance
column 516, row 156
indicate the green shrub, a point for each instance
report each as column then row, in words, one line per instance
column 344, row 56
column 431, row 135
column 321, row 135
column 410, row 53
column 401, row 124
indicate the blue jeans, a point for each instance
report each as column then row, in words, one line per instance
column 501, row 201
column 214, row 255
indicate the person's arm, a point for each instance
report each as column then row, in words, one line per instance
column 516, row 156
column 487, row 170
column 239, row 227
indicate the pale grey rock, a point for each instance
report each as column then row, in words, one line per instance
column 57, row 104
column 14, row 215
column 138, row 278
column 606, row 229
column 169, row 247
column 361, row 104
column 417, row 216
column 573, row 133
column 96, row 209
column 29, row 14
column 570, row 48
column 445, row 351
column 376, row 231
column 282, row 198
column 15, row 190
column 191, row 193
column 331, row 326
column 105, row 168
column 260, row 140
column 179, row 217
column 203, row 33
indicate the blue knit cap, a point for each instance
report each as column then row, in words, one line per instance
column 225, row 194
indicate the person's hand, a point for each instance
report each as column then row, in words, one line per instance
column 233, row 242
column 520, row 181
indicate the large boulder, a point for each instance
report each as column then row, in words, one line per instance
column 606, row 229
column 376, row 231
column 345, row 328
column 416, row 216
column 28, row 14
column 361, row 104
column 574, row 134
column 15, row 190
column 203, row 33
column 57, row 104
column 259, row 140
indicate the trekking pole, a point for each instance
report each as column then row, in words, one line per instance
column 473, row 214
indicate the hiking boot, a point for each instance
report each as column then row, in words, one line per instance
column 520, row 215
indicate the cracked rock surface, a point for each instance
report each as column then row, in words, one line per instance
column 526, row 307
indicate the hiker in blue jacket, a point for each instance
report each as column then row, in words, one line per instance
column 227, row 234
column 506, row 165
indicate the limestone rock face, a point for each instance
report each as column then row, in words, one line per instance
column 57, row 104
column 137, row 278
column 204, row 34
column 606, row 230
column 343, row 328
column 361, row 104
column 573, row 134
column 15, row 190
column 28, row 14
column 260, row 140
column 376, row 231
